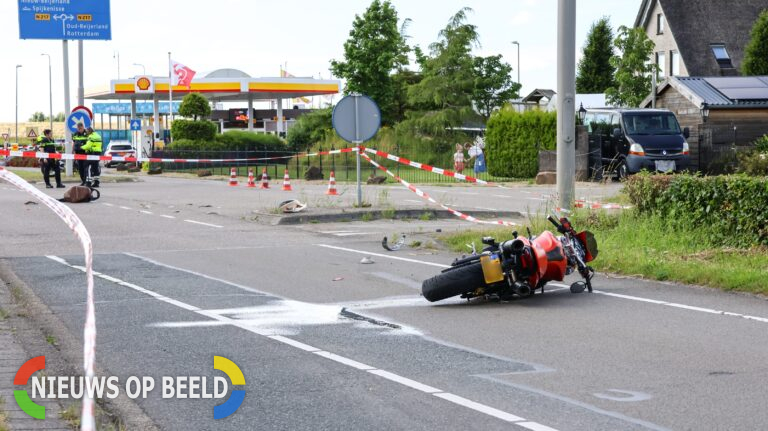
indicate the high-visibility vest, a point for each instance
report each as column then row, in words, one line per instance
column 93, row 146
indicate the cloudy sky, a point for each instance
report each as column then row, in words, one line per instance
column 258, row 36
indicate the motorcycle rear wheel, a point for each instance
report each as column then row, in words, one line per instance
column 454, row 282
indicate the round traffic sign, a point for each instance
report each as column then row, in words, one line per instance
column 84, row 110
column 78, row 117
column 356, row 118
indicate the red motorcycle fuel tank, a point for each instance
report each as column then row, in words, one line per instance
column 550, row 256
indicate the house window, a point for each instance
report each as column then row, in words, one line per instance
column 659, row 24
column 674, row 63
column 661, row 64
column 721, row 55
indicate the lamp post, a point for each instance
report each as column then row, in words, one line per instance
column 582, row 113
column 17, row 102
column 518, row 60
column 704, row 113
column 143, row 69
column 116, row 55
column 50, row 93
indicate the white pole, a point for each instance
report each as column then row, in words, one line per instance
column 50, row 93
column 80, row 84
column 17, row 102
column 67, row 132
column 566, row 90
column 170, row 95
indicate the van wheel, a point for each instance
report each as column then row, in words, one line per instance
column 622, row 171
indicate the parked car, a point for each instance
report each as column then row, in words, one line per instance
column 626, row 141
column 119, row 148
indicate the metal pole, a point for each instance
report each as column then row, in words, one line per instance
column 170, row 96
column 653, row 89
column 358, row 142
column 518, row 60
column 50, row 92
column 80, row 87
column 17, row 102
column 566, row 90
column 67, row 132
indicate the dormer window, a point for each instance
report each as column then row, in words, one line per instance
column 721, row 55
column 659, row 24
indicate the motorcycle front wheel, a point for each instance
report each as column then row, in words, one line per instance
column 453, row 282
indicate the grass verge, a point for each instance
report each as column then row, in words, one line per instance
column 646, row 247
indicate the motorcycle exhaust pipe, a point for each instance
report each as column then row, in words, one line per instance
column 522, row 289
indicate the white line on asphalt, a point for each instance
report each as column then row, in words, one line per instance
column 490, row 411
column 615, row 295
column 535, row 426
column 336, row 231
column 166, row 216
column 107, row 204
column 355, row 233
column 124, row 208
column 367, row 253
column 202, row 223
column 146, row 212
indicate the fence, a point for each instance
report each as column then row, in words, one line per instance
column 720, row 144
column 344, row 165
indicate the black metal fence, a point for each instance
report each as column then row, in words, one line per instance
column 720, row 144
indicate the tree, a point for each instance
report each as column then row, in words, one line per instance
column 633, row 70
column 375, row 49
column 194, row 105
column 595, row 73
column 309, row 129
column 38, row 117
column 443, row 98
column 60, row 117
column 493, row 84
column 756, row 52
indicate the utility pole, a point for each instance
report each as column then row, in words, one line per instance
column 80, row 87
column 50, row 92
column 67, row 132
column 566, row 94
column 17, row 103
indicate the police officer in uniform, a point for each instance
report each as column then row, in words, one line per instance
column 79, row 138
column 46, row 144
column 92, row 147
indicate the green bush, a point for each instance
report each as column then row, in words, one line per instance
column 197, row 130
column 729, row 210
column 310, row 129
column 513, row 141
column 755, row 162
column 248, row 141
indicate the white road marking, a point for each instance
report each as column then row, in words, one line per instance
column 166, row 216
column 615, row 295
column 356, row 233
column 125, row 208
column 367, row 253
column 107, row 204
column 328, row 355
column 534, row 426
column 146, row 212
column 204, row 224
column 335, row 231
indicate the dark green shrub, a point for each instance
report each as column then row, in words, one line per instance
column 310, row 129
column 513, row 141
column 248, row 141
column 198, row 130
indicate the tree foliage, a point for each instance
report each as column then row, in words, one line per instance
column 309, row 129
column 513, row 141
column 38, row 117
column 493, row 84
column 633, row 70
column 443, row 98
column 375, row 50
column 595, row 73
column 756, row 52
column 194, row 105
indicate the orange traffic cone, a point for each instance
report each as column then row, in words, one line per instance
column 332, row 185
column 251, row 180
column 233, row 177
column 287, row 182
column 264, row 180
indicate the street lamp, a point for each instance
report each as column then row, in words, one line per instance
column 116, row 54
column 582, row 113
column 17, row 102
column 518, row 60
column 143, row 69
column 50, row 92
column 704, row 112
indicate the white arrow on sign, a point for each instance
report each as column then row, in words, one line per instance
column 78, row 119
column 64, row 18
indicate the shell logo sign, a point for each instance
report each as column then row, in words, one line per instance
column 144, row 84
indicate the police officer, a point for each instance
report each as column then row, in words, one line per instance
column 46, row 144
column 79, row 138
column 92, row 147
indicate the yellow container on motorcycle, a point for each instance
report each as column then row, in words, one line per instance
column 491, row 265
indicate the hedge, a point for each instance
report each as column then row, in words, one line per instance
column 228, row 141
column 513, row 141
column 730, row 210
column 197, row 130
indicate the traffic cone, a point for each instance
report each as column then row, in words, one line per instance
column 332, row 185
column 233, row 177
column 251, row 180
column 264, row 180
column 287, row 182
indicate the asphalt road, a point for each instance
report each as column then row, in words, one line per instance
column 326, row 342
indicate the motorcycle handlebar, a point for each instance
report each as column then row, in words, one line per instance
column 559, row 227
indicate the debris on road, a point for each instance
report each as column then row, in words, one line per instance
column 394, row 247
column 366, row 260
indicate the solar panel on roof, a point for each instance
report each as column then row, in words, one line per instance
column 740, row 88
column 746, row 93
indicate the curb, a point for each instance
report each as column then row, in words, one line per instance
column 378, row 214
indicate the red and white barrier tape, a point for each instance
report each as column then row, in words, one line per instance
column 87, row 421
column 67, row 156
column 582, row 203
column 425, row 196
column 433, row 169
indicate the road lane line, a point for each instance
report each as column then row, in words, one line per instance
column 599, row 292
column 203, row 223
column 146, row 212
column 481, row 408
column 166, row 216
column 367, row 253
column 125, row 208
column 534, row 426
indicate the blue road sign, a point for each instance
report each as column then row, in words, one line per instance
column 72, row 20
column 135, row 124
column 78, row 117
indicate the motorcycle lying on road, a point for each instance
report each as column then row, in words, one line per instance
column 518, row 267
